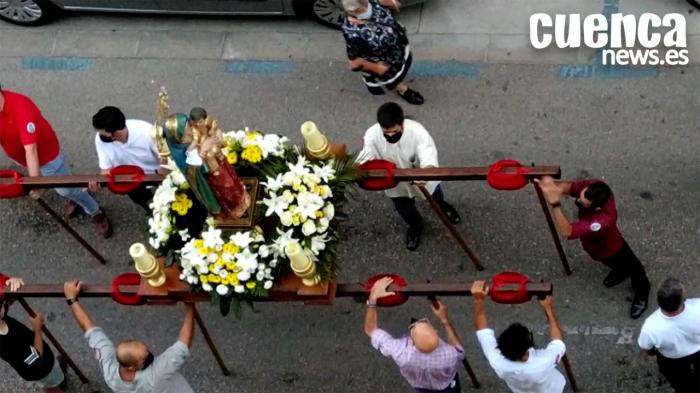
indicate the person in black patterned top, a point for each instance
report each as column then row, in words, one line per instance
column 378, row 47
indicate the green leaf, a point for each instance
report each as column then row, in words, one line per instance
column 225, row 305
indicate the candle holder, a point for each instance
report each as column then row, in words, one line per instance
column 147, row 266
column 302, row 264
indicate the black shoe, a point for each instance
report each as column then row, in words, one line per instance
column 639, row 305
column 412, row 240
column 613, row 279
column 413, row 97
column 375, row 90
column 452, row 215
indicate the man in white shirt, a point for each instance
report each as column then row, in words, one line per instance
column 125, row 142
column 408, row 144
column 130, row 367
column 672, row 333
column 513, row 356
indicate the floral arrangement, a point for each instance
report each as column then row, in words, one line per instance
column 301, row 201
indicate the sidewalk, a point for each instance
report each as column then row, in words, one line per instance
column 473, row 31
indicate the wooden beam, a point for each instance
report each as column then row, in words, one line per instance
column 31, row 183
column 440, row 289
column 460, row 173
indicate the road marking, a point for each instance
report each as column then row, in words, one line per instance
column 259, row 67
column 606, row 71
column 43, row 63
column 445, row 68
column 625, row 335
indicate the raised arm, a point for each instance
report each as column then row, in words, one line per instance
column 72, row 289
column 553, row 192
column 187, row 329
column 378, row 291
column 479, row 291
column 554, row 329
column 441, row 312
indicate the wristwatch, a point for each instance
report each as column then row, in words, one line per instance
column 371, row 305
column 555, row 204
column 71, row 301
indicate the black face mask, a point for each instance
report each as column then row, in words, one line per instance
column 148, row 361
column 105, row 139
column 393, row 138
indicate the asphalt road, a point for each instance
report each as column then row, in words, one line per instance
column 640, row 135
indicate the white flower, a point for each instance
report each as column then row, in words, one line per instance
column 260, row 276
column 223, row 273
column 308, row 204
column 212, row 238
column 243, row 276
column 239, row 289
column 300, row 168
column 212, row 257
column 282, row 241
column 273, row 263
column 274, row 183
column 318, row 243
column 323, row 225
column 325, row 172
column 268, row 284
column 329, row 211
column 155, row 243
column 286, row 218
column 206, row 287
column 247, row 261
column 311, row 180
column 309, row 228
column 164, row 195
column 222, row 289
column 326, row 192
column 261, row 266
column 276, row 204
column 177, row 178
column 184, row 235
column 264, row 251
column 288, row 196
column 241, row 239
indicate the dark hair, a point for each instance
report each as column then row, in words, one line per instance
column 110, row 119
column 198, row 113
column 598, row 193
column 515, row 341
column 389, row 115
column 670, row 295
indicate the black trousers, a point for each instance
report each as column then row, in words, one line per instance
column 627, row 264
column 406, row 207
column 683, row 374
column 142, row 197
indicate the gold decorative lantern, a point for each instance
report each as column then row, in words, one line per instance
column 146, row 265
column 302, row 264
column 317, row 145
column 162, row 108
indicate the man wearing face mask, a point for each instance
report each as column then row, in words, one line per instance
column 408, row 144
column 125, row 142
column 131, row 367
column 598, row 232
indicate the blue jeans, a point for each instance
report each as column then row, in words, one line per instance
column 59, row 167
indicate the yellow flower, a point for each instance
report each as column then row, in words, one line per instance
column 250, row 284
column 214, row 279
column 203, row 251
column 182, row 204
column 251, row 135
column 231, row 248
column 224, row 281
column 231, row 266
column 318, row 190
column 219, row 261
column 211, row 267
column 199, row 243
column 319, row 214
column 233, row 279
column 252, row 153
column 232, row 157
column 203, row 278
column 296, row 220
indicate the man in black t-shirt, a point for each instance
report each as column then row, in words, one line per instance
column 27, row 352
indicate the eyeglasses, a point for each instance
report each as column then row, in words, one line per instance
column 415, row 322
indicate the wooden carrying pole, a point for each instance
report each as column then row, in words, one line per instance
column 452, row 228
column 55, row 342
column 481, row 173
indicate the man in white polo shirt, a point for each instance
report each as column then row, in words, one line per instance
column 408, row 144
column 672, row 333
column 125, row 142
column 513, row 356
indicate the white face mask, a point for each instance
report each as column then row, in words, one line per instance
column 367, row 14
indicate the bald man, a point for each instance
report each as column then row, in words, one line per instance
column 131, row 367
column 428, row 363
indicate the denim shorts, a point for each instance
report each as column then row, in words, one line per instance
column 54, row 378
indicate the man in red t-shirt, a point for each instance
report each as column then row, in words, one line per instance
column 598, row 232
column 30, row 141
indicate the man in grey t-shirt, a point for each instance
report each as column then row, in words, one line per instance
column 131, row 367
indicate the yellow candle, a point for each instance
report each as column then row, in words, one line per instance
column 316, row 143
column 299, row 260
column 142, row 259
